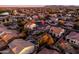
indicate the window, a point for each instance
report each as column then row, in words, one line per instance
column 68, row 40
column 22, row 19
column 72, row 41
column 7, row 19
column 3, row 20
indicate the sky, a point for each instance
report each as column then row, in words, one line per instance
column 22, row 5
column 35, row 3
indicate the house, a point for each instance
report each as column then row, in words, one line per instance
column 30, row 25
column 5, row 20
column 46, row 39
column 7, row 36
column 4, row 14
column 73, row 39
column 20, row 46
column 65, row 47
column 57, row 31
column 3, row 45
